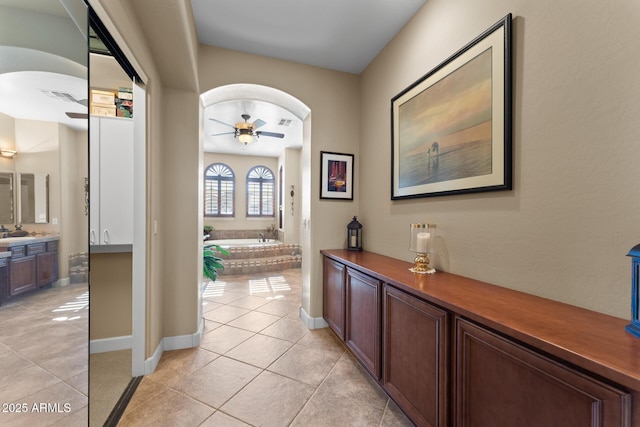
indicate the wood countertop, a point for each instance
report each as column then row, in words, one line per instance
column 587, row 339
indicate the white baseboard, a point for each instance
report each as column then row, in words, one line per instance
column 61, row 282
column 312, row 322
column 110, row 344
column 173, row 343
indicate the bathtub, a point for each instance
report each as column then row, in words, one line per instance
column 228, row 243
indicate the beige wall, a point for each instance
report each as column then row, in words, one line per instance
column 110, row 295
column 240, row 166
column 564, row 230
column 334, row 100
column 290, row 162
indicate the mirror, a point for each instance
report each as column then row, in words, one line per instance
column 6, row 198
column 33, row 198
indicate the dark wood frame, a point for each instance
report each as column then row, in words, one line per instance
column 325, row 193
column 498, row 39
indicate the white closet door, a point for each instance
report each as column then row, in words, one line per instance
column 116, row 181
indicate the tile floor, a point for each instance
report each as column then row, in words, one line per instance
column 259, row 365
column 43, row 358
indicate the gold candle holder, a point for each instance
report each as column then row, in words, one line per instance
column 421, row 237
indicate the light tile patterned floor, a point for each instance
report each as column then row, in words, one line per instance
column 259, row 365
column 43, row 358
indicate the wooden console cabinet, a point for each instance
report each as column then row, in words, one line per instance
column 453, row 351
column 362, row 317
column 333, row 295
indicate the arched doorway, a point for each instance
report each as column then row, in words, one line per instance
column 283, row 113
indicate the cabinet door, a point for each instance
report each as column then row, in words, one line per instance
column 47, row 267
column 94, row 180
column 4, row 278
column 333, row 295
column 415, row 357
column 362, row 326
column 500, row 383
column 116, row 181
column 22, row 274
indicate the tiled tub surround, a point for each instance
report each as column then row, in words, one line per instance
column 244, row 234
column 257, row 258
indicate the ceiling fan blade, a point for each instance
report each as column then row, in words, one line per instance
column 77, row 115
column 258, row 123
column 221, row 122
column 224, row 133
column 84, row 102
column 272, row 134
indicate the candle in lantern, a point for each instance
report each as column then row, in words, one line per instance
column 422, row 242
column 354, row 240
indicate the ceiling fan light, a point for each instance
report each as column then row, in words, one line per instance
column 245, row 138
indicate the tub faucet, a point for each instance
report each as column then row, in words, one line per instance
column 261, row 237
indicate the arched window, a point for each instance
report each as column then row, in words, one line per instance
column 260, row 192
column 219, row 190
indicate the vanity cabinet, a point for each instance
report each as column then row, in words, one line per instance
column 33, row 264
column 4, row 277
column 333, row 295
column 47, row 265
column 362, row 319
column 22, row 274
column 459, row 352
column 111, row 181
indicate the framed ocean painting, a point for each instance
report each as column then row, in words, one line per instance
column 452, row 129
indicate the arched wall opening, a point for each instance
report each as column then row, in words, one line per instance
column 296, row 184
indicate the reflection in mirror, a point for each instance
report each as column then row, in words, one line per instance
column 34, row 198
column 43, row 75
column 6, row 198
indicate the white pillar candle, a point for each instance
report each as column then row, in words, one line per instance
column 353, row 241
column 422, row 242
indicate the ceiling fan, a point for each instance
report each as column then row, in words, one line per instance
column 63, row 96
column 245, row 131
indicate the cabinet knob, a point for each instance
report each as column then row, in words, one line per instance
column 106, row 238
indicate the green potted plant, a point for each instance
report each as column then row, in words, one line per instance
column 212, row 263
column 208, row 231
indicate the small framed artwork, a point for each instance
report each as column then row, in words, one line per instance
column 452, row 129
column 336, row 176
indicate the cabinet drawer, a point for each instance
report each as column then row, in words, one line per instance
column 18, row 251
column 36, row 248
column 52, row 246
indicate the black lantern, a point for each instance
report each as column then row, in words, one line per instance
column 634, row 326
column 354, row 235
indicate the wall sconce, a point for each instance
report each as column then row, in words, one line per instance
column 421, row 241
column 7, row 153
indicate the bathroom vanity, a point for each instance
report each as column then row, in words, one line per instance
column 27, row 264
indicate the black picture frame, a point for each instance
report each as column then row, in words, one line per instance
column 451, row 130
column 336, row 175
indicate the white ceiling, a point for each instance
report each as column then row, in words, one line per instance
column 342, row 35
column 335, row 34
